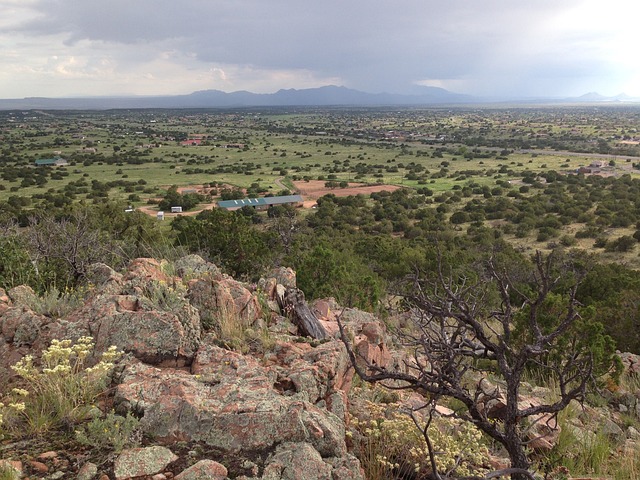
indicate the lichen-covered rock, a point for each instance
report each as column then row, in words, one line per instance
column 296, row 461
column 155, row 337
column 369, row 334
column 138, row 462
column 105, row 278
column 227, row 411
column 12, row 467
column 5, row 301
column 284, row 276
column 224, row 297
column 193, row 266
column 631, row 363
column 321, row 375
column 22, row 295
column 204, row 470
column 87, row 471
column 21, row 326
column 141, row 273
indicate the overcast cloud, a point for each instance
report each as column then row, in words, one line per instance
column 156, row 47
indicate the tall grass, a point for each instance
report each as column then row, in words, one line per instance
column 592, row 452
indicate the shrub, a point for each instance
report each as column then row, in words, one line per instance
column 622, row 244
column 61, row 391
column 112, row 432
column 389, row 445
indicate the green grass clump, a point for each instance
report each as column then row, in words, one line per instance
column 7, row 472
column 591, row 452
column 55, row 303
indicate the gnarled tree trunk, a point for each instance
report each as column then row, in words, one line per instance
column 294, row 305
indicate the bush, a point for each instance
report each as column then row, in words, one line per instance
column 622, row 244
column 54, row 303
column 112, row 432
column 389, row 445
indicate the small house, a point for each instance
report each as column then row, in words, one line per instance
column 160, row 215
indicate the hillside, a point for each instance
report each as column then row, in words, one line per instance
column 216, row 380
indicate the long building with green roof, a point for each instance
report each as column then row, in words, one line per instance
column 262, row 202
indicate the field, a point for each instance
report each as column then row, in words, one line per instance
column 135, row 156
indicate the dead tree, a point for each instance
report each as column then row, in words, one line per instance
column 73, row 241
column 456, row 323
column 293, row 303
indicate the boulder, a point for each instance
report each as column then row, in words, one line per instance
column 284, row 276
column 296, row 461
column 22, row 295
column 104, row 278
column 321, row 375
column 141, row 275
column 156, row 337
column 87, row 471
column 137, row 462
column 21, row 326
column 300, row 461
column 268, row 287
column 194, row 266
column 13, row 467
column 370, row 337
column 216, row 299
column 203, row 470
column 5, row 301
column 631, row 363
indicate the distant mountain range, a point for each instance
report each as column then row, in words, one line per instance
column 323, row 96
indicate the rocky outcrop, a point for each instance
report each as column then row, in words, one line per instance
column 204, row 469
column 229, row 403
column 194, row 266
column 630, row 362
column 370, row 342
column 279, row 414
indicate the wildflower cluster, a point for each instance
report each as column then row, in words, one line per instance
column 391, row 446
column 61, row 389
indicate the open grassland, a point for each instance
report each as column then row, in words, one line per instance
column 454, row 156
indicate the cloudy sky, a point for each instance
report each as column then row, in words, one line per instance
column 61, row 48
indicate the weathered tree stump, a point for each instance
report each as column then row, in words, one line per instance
column 293, row 304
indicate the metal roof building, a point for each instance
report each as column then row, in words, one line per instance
column 50, row 162
column 259, row 202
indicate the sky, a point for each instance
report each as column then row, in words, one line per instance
column 498, row 48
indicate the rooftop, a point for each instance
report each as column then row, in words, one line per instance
column 256, row 202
